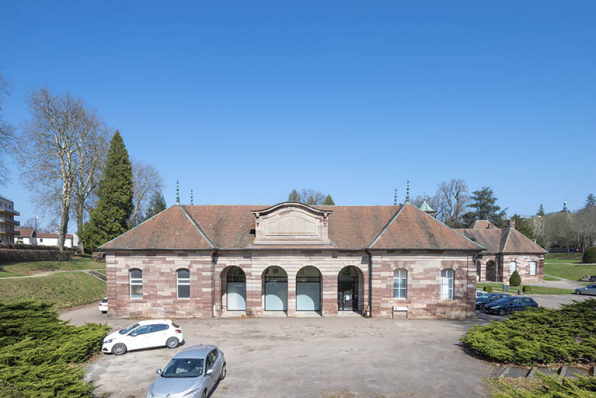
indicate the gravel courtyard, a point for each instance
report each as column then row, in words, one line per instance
column 309, row 357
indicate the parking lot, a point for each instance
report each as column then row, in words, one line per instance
column 328, row 357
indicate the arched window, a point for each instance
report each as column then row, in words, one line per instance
column 533, row 268
column 183, row 283
column 447, row 279
column 512, row 267
column 136, row 283
column 400, row 283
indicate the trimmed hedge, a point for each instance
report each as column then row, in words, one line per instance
column 541, row 335
column 589, row 255
column 18, row 255
column 515, row 279
column 527, row 289
column 42, row 356
column 21, row 246
column 488, row 289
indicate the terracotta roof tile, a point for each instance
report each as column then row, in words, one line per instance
column 517, row 242
column 497, row 240
column 170, row 229
column 25, row 232
column 416, row 230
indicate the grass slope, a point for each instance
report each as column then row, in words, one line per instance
column 570, row 271
column 32, row 268
column 498, row 287
column 65, row 289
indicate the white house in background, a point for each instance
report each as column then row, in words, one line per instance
column 29, row 236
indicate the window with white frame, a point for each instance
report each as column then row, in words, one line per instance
column 183, row 283
column 400, row 283
column 512, row 267
column 447, row 279
column 136, row 283
column 533, row 268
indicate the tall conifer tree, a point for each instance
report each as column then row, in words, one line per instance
column 329, row 201
column 114, row 206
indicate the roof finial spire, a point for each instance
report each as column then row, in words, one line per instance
column 177, row 193
column 191, row 198
column 408, row 192
column 395, row 198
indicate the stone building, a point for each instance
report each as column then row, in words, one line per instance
column 291, row 260
column 507, row 250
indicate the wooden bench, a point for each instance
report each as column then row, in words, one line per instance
column 400, row 309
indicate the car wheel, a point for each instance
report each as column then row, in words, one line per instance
column 502, row 312
column 119, row 349
column 172, row 342
column 578, row 292
column 224, row 372
column 104, row 312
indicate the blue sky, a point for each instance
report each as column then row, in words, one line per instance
column 244, row 101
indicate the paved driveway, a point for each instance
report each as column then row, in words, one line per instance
column 328, row 357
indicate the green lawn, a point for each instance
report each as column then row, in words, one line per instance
column 498, row 287
column 35, row 267
column 550, row 278
column 65, row 289
column 564, row 257
column 570, row 271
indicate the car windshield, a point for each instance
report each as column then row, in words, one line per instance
column 128, row 329
column 104, row 300
column 181, row 367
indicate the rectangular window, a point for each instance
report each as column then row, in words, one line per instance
column 400, row 283
column 183, row 279
column 447, row 279
column 136, row 283
column 512, row 267
column 533, row 268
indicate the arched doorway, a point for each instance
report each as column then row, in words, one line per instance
column 276, row 289
column 236, row 289
column 491, row 271
column 347, row 289
column 479, row 270
column 308, row 289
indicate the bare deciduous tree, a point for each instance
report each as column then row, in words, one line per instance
column 311, row 197
column 49, row 151
column 146, row 182
column 91, row 150
column 451, row 202
column 6, row 133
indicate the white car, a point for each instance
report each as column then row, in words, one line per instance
column 143, row 334
column 103, row 306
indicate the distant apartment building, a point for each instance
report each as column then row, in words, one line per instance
column 7, row 221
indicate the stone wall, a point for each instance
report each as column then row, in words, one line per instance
column 503, row 267
column 423, row 297
column 159, row 285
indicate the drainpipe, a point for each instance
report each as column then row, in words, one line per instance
column 368, row 308
column 213, row 298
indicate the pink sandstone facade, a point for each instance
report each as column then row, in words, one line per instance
column 293, row 260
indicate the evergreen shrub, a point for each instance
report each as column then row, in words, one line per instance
column 515, row 279
column 589, row 255
column 42, row 356
column 539, row 336
column 488, row 289
column 21, row 255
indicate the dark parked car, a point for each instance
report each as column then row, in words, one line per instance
column 489, row 298
column 509, row 305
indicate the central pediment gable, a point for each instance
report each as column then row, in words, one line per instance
column 291, row 224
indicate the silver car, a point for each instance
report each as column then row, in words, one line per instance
column 192, row 373
column 590, row 289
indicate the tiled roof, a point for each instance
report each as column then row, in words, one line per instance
column 350, row 227
column 170, row 229
column 51, row 236
column 482, row 224
column 506, row 240
column 413, row 229
column 25, row 232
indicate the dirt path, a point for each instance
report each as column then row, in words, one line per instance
column 48, row 273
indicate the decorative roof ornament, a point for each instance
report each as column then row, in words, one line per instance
column 425, row 207
column 565, row 207
column 395, row 198
column 177, row 193
column 191, row 198
column 408, row 192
